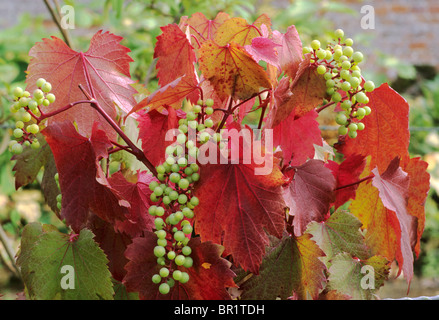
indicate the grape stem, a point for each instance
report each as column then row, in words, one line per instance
column 325, row 106
column 138, row 153
column 355, row 183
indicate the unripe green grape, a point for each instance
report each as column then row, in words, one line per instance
column 327, row 75
column 59, row 198
column 346, row 65
column 341, row 118
column 188, row 262
column 356, row 68
column 339, row 34
column 195, row 177
column 181, row 138
column 188, row 213
column 161, row 177
column 170, row 160
column 172, row 219
column 194, row 167
column 195, row 201
column 159, row 251
column 355, row 82
column 40, row 82
column 184, row 277
column 200, row 127
column 343, row 58
column 26, row 94
column 164, row 288
column 342, row 130
column 38, row 94
column 188, row 171
column 51, row 97
column 208, row 123
column 315, row 44
column 182, row 198
column 187, row 229
column 193, row 124
column 33, row 128
column 345, row 74
column 161, row 261
column 367, row 109
column 186, row 250
column 166, row 200
column 153, row 184
column 183, row 128
column 179, row 236
column 345, row 86
column 174, row 177
column 353, row 127
column 158, row 191
column 169, row 150
column 328, row 55
column 330, row 83
column 348, row 51
column 329, row 91
column 356, row 74
column 164, row 272
column 176, row 275
column 191, row 116
column 357, row 56
column 321, row 69
column 175, row 168
column 352, row 134
column 161, row 169
column 161, row 234
column 361, row 112
column 360, row 126
column 158, row 222
column 183, row 183
column 46, row 87
column 17, row 148
column 162, row 242
column 321, row 54
column 179, row 215
column 193, row 152
column 179, row 260
column 208, row 110
column 349, row 42
column 167, row 167
column 337, row 54
column 23, row 102
column 156, row 279
column 197, row 108
column 209, row 102
column 18, row 133
column 361, row 97
column 204, row 137
column 171, row 255
column 306, row 50
column 369, row 86
column 182, row 162
column 17, row 92
column 336, row 97
column 173, row 195
column 35, row 144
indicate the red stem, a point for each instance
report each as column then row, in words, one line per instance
column 355, row 183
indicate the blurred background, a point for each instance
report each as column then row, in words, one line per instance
column 397, row 37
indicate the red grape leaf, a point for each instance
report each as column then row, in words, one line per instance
column 309, row 194
column 237, row 207
column 209, row 275
column 238, row 31
column 103, row 71
column 175, row 55
column 76, row 160
column 290, row 266
column 263, row 48
column 290, row 51
column 153, row 127
column 231, row 70
column 346, row 173
column 418, row 190
column 346, row 275
column 393, row 185
column 386, row 133
column 171, row 94
column 137, row 193
column 113, row 244
column 297, row 137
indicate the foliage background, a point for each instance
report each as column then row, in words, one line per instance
column 139, row 21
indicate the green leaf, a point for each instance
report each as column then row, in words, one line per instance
column 340, row 233
column 44, row 254
column 292, row 267
column 357, row 278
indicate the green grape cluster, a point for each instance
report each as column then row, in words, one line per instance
column 59, row 196
column 173, row 195
column 338, row 64
column 28, row 106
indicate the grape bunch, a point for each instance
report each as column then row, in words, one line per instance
column 28, row 108
column 174, row 199
column 338, row 63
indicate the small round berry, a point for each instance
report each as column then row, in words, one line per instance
column 164, row 272
column 369, row 86
column 17, row 92
column 341, row 118
column 342, row 130
column 33, row 128
column 208, row 110
column 339, row 34
column 164, row 288
column 35, row 144
column 357, row 56
column 209, row 103
column 349, row 42
column 46, row 87
column 321, row 69
column 315, row 44
column 156, row 279
column 40, row 82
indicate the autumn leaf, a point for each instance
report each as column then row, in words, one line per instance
column 153, row 127
column 359, row 279
column 340, row 233
column 238, row 31
column 76, row 160
column 103, row 71
column 346, row 174
column 309, row 194
column 297, row 138
column 393, row 185
column 44, row 254
column 386, row 133
column 204, row 283
column 238, row 208
column 291, row 266
column 290, row 50
column 231, row 70
column 265, row 49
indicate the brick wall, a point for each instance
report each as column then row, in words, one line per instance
column 405, row 29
